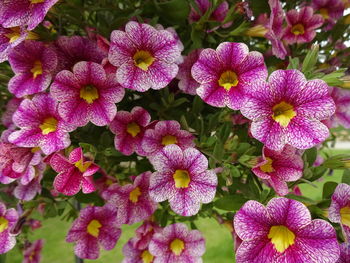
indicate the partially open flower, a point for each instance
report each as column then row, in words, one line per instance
column 8, row 219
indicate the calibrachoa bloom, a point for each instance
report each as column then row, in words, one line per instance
column 134, row 255
column 24, row 12
column 288, row 110
column 339, row 211
column 146, row 57
column 32, row 254
column 344, row 253
column 95, row 227
column 8, row 219
column 331, row 10
column 129, row 128
column 341, row 116
column 40, row 125
column 11, row 107
column 176, row 243
column 33, row 63
column 223, row 73
column 218, row 14
column 163, row 134
column 144, row 234
column 187, row 83
column 86, row 94
column 183, row 178
column 278, row 168
column 301, row 25
column 133, row 201
column 283, row 232
column 75, row 173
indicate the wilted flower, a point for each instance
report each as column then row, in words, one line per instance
column 95, row 227
column 177, row 244
column 11, row 107
column 341, row 116
column 183, row 178
column 283, row 232
column 331, row 10
column 144, row 234
column 32, row 253
column 223, row 73
column 288, row 110
column 8, row 218
column 219, row 14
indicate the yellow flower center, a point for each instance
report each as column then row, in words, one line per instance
column 281, row 237
column 37, row 1
column 177, row 246
column 169, row 139
column 14, row 35
column 298, row 29
column 181, row 178
column 147, row 257
column 143, row 59
column 94, row 228
column 228, row 79
column 35, row 149
column 4, row 224
column 82, row 166
column 345, row 215
column 37, row 69
column 283, row 113
column 134, row 195
column 133, row 129
column 49, row 125
column 89, row 93
column 324, row 13
column 267, row 167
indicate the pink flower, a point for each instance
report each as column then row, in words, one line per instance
column 74, row 173
column 8, row 219
column 86, row 94
column 9, row 38
column 331, row 10
column 40, row 125
column 95, row 227
column 278, row 168
column 146, row 57
column 11, row 107
column 33, row 63
column 144, row 234
column 129, row 128
column 219, row 14
column 344, row 253
column 133, row 201
column 177, row 244
column 32, row 253
column 341, row 116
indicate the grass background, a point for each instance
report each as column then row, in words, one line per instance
column 219, row 242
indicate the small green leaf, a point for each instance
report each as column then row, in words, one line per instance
column 328, row 189
column 234, row 171
column 230, row 202
column 346, row 177
column 310, row 60
column 311, row 155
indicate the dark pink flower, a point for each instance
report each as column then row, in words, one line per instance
column 32, row 253
column 8, row 219
column 11, row 107
column 219, row 14
column 344, row 253
column 341, row 116
column 331, row 10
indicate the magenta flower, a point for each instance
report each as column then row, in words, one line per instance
column 133, row 201
column 344, row 253
column 24, row 12
column 187, row 83
column 95, row 227
column 283, row 232
column 176, row 243
column 11, row 107
column 341, row 116
column 134, row 255
column 9, row 38
column 86, row 94
column 301, row 25
column 144, row 234
column 278, row 168
column 8, row 218
column 183, row 178
column 32, row 253
column 219, row 14
column 331, row 10
column 129, row 128
column 146, row 57
column 33, row 63
column 163, row 134
column 339, row 211
column 75, row 173
column 288, row 110
column 223, row 73
column 40, row 125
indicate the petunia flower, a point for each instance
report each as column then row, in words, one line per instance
column 75, row 173
column 183, row 178
column 223, row 73
column 146, row 57
column 339, row 210
column 40, row 125
column 301, row 25
column 32, row 253
column 133, row 200
column 11, row 108
column 283, row 232
column 129, row 128
column 341, row 116
column 218, row 15
column 86, row 94
column 24, row 12
column 144, row 234
column 176, row 243
column 163, row 134
column 8, row 218
column 278, row 168
column 95, row 227
column 331, row 11
column 33, row 64
column 344, row 253
column 288, row 110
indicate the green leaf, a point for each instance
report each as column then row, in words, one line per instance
column 310, row 60
column 234, row 171
column 3, row 258
column 218, row 151
column 300, row 198
column 328, row 189
column 293, row 63
column 311, row 155
column 333, row 79
column 346, row 177
column 89, row 199
column 174, row 11
column 230, row 202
